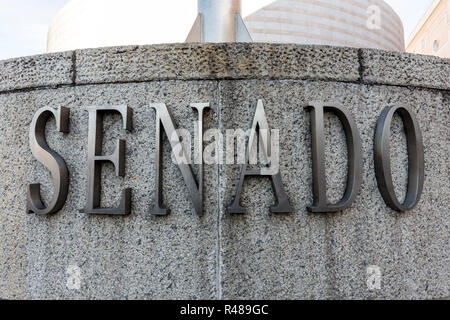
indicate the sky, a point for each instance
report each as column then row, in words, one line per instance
column 24, row 23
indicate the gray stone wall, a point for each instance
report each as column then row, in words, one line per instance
column 222, row 256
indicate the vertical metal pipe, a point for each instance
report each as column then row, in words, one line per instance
column 219, row 19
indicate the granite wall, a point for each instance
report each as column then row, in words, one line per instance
column 222, row 256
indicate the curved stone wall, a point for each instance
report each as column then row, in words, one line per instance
column 259, row 255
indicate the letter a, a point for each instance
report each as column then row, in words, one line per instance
column 282, row 204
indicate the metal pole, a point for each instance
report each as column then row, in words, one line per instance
column 219, row 21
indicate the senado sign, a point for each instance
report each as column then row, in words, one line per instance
column 258, row 144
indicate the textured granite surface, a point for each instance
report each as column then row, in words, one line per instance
column 219, row 256
column 405, row 69
column 224, row 61
column 216, row 61
column 326, row 256
column 37, row 71
column 138, row 256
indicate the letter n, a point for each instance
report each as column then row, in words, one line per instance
column 164, row 120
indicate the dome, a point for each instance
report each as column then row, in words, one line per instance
column 100, row 23
column 350, row 23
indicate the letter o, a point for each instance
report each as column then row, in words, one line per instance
column 383, row 160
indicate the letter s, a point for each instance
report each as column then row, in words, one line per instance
column 50, row 159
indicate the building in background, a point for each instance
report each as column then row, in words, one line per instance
column 432, row 34
column 351, row 23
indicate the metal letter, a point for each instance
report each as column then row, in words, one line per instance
column 354, row 148
column 50, row 159
column 165, row 120
column 282, row 204
column 95, row 159
column 383, row 158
